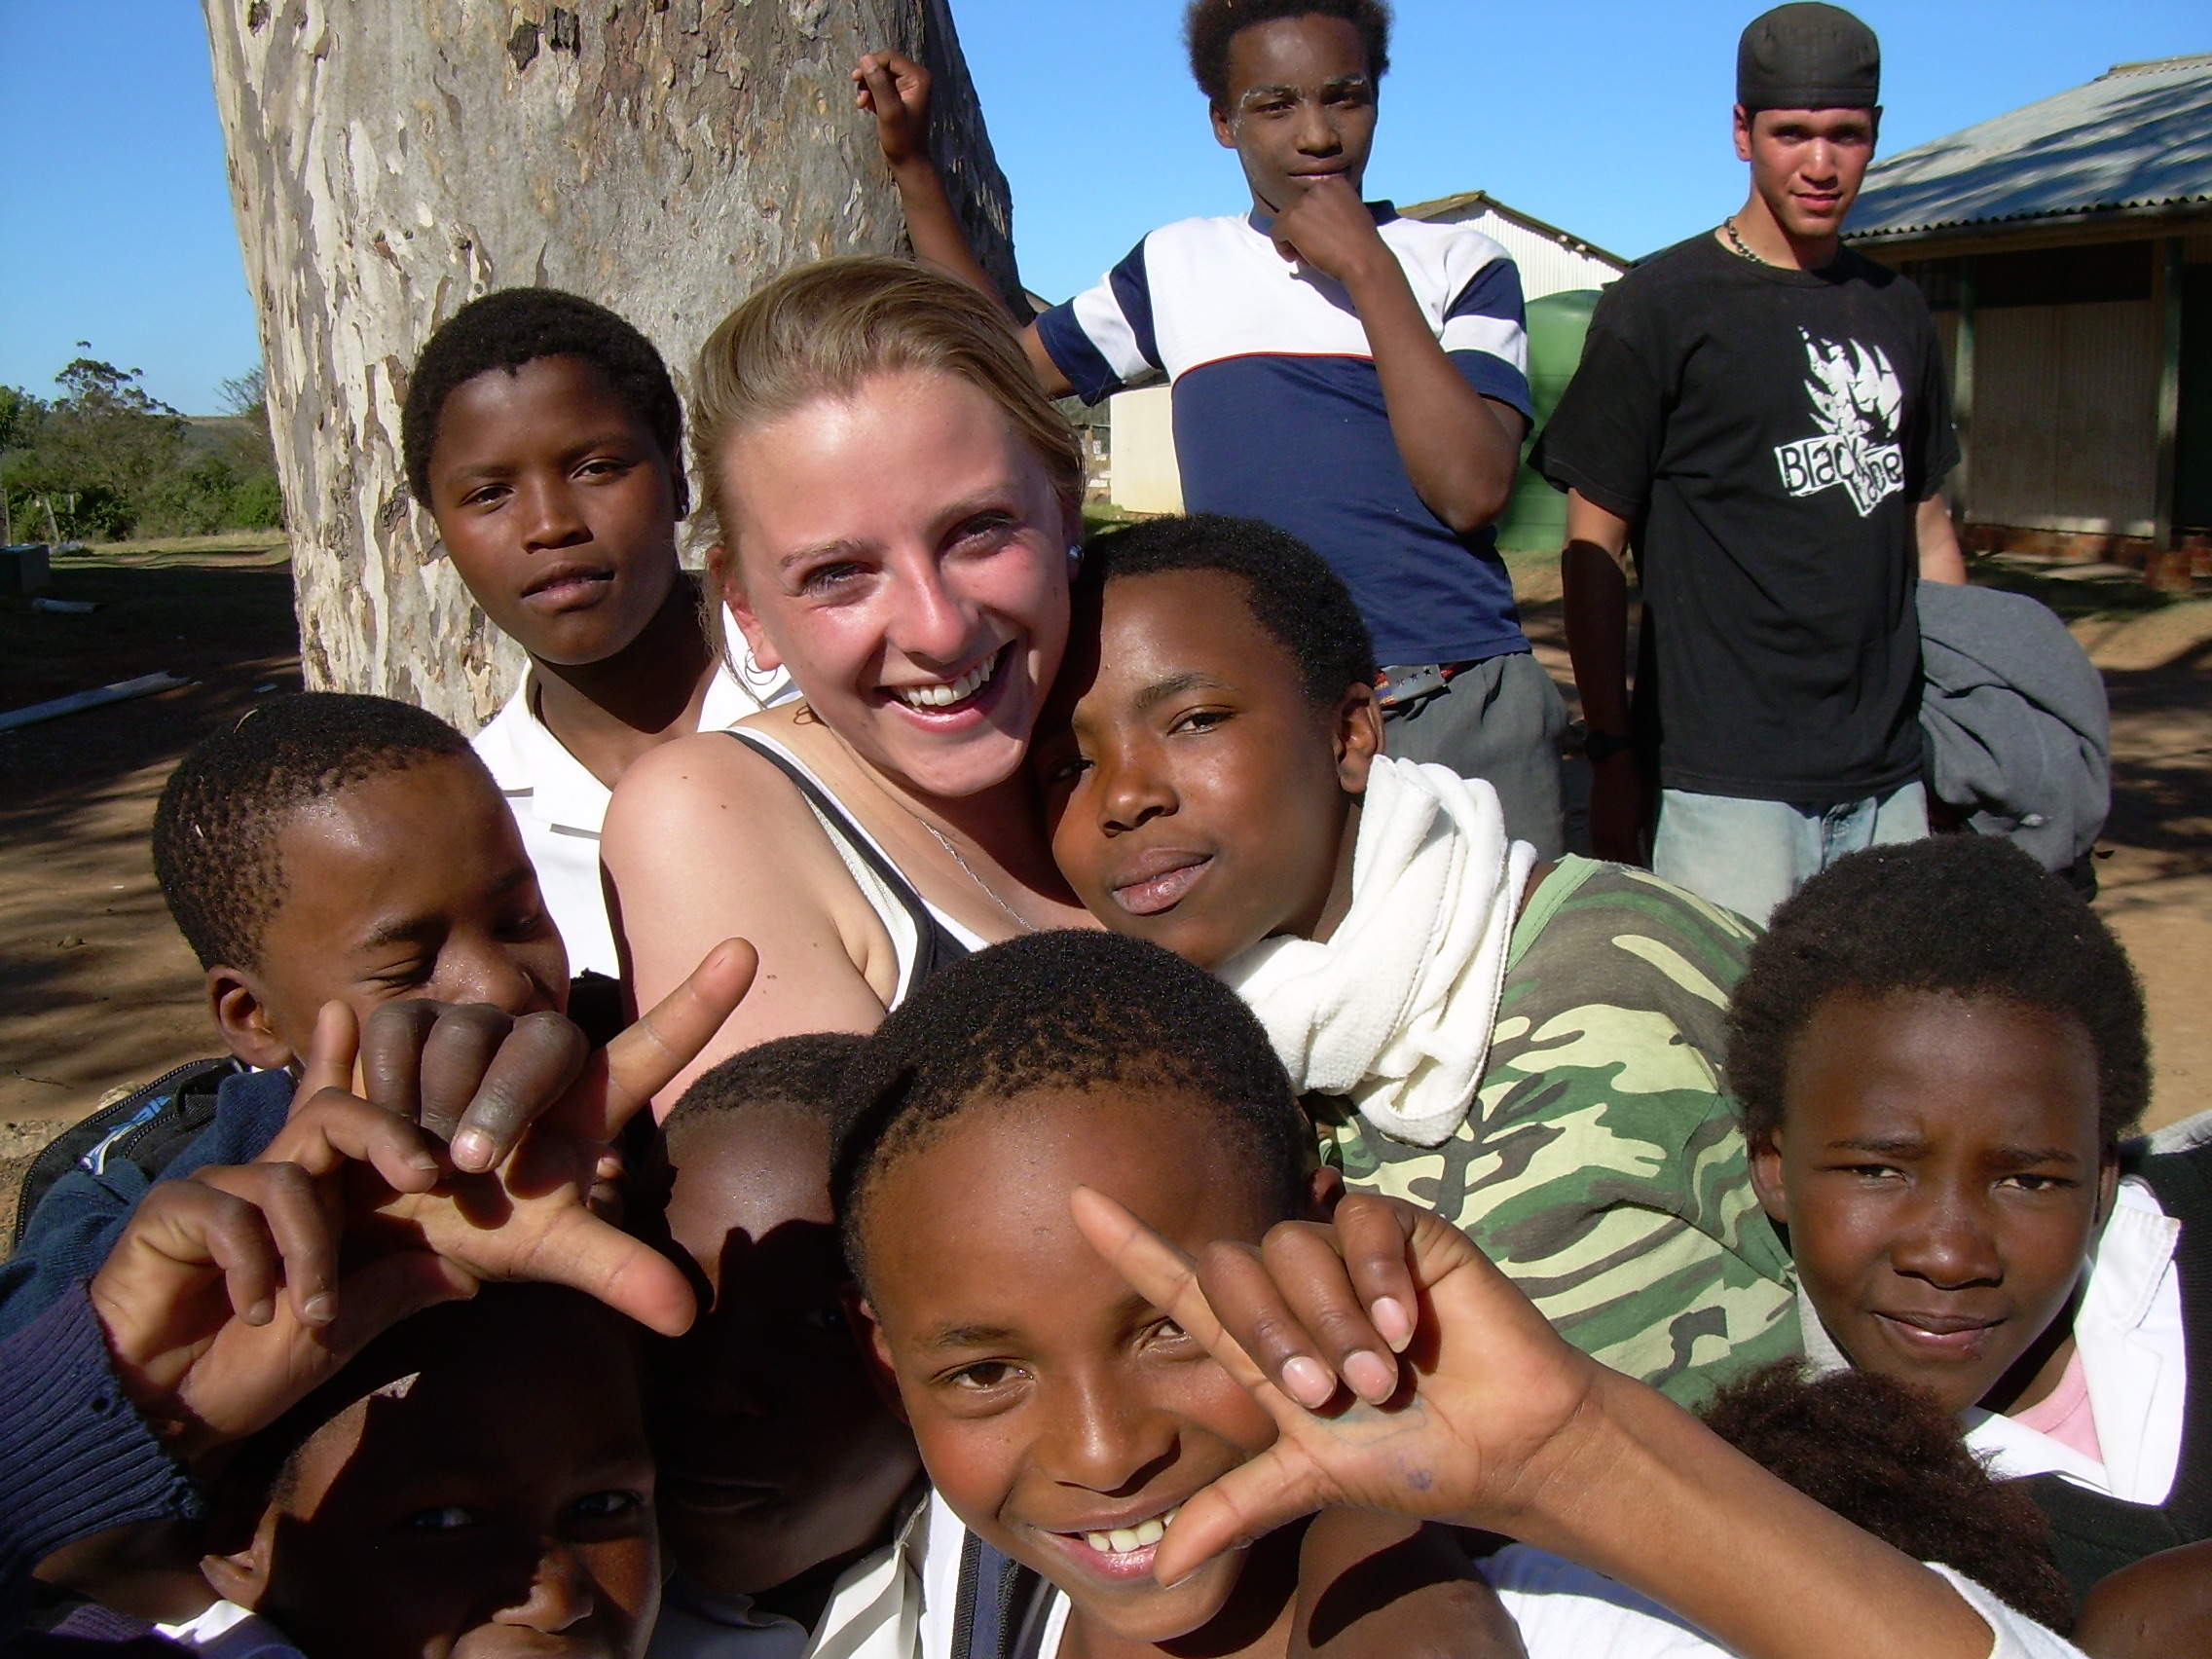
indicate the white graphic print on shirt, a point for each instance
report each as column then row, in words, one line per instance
column 1857, row 404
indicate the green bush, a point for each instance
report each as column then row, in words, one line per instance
column 112, row 461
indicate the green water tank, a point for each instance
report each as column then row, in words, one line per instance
column 1536, row 516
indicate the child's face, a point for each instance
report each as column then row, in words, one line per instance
column 557, row 505
column 1940, row 1171
column 1056, row 1410
column 1301, row 106
column 904, row 553
column 778, row 1453
column 411, row 884
column 1196, row 798
column 500, row 1507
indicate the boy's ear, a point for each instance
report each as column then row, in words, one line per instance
column 1223, row 133
column 721, row 570
column 243, row 1577
column 1766, row 1179
column 1358, row 737
column 242, row 1013
column 875, row 1351
column 1743, row 123
column 1323, row 1188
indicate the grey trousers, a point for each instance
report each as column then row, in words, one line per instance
column 1500, row 720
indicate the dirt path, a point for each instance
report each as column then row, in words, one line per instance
column 97, row 992
column 97, row 989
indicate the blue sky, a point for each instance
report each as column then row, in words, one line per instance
column 1606, row 117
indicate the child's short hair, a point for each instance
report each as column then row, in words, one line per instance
column 1293, row 595
column 216, row 827
column 514, row 326
column 805, row 1072
column 1209, row 26
column 1887, row 1457
column 1968, row 915
column 1072, row 1009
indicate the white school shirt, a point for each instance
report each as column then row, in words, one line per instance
column 2135, row 1359
column 891, row 1604
column 228, row 1630
column 1567, row 1612
column 559, row 806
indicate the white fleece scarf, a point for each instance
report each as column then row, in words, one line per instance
column 1395, row 1008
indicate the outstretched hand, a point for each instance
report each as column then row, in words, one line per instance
column 1405, row 1372
column 1489, row 1419
column 896, row 90
column 223, row 1302
column 525, row 1215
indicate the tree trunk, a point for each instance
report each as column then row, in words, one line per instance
column 392, row 159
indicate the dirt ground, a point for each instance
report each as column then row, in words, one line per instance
column 2155, row 859
column 97, row 992
column 97, row 989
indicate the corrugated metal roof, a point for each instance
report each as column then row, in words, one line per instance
column 2139, row 135
column 1471, row 202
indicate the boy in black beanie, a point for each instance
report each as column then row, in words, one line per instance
column 1763, row 414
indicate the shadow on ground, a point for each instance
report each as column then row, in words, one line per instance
column 97, row 989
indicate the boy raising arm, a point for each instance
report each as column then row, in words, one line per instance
column 1347, row 375
column 1303, row 149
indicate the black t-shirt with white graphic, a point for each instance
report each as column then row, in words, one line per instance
column 1769, row 434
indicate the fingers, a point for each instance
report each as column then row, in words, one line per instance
column 234, row 1382
column 1291, row 1305
column 457, row 1052
column 1290, row 1311
column 294, row 1221
column 331, row 1052
column 1247, row 1504
column 630, row 1276
column 473, row 1074
column 260, row 1225
column 1160, row 1273
column 1307, row 1294
column 391, row 1055
column 335, row 1127
column 1374, row 1236
column 529, row 1072
column 198, row 1223
column 625, row 1075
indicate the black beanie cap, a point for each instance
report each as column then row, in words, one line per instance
column 1808, row 56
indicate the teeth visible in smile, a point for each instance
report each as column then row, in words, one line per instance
column 1123, row 1539
column 944, row 696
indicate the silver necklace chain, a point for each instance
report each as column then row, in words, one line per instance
column 945, row 842
column 1736, row 242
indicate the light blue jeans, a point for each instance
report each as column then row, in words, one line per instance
column 1750, row 855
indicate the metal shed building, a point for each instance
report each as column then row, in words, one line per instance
column 2066, row 248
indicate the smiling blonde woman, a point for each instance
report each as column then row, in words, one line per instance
column 897, row 507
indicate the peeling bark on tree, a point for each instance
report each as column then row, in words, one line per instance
column 392, row 159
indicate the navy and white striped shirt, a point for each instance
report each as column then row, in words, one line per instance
column 1279, row 413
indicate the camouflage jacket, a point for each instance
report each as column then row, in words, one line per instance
column 1601, row 1166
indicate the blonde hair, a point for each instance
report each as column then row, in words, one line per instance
column 822, row 329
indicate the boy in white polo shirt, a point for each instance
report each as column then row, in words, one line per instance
column 545, row 436
column 1357, row 379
